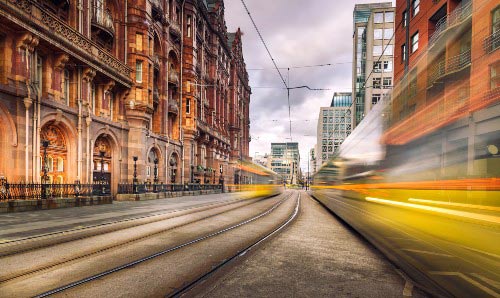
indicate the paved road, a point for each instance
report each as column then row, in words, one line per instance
column 315, row 257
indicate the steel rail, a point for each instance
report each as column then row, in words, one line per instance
column 240, row 253
column 51, row 235
column 86, row 255
column 155, row 255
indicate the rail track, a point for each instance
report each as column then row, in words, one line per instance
column 198, row 239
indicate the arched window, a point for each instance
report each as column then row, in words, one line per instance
column 60, row 164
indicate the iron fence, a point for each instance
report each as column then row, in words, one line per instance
column 141, row 188
column 41, row 191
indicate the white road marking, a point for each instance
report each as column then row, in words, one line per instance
column 476, row 216
column 472, row 206
column 469, row 280
column 491, row 282
column 427, row 252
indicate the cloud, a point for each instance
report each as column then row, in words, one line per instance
column 296, row 33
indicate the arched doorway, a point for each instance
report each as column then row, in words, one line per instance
column 102, row 161
column 152, row 166
column 173, row 163
column 54, row 153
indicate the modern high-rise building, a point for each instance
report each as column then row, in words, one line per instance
column 285, row 161
column 334, row 125
column 373, row 48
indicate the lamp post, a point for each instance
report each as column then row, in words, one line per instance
column 156, row 170
column 103, row 180
column 213, row 171
column 192, row 173
column 134, row 181
column 45, row 144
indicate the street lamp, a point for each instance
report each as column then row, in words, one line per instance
column 134, row 181
column 156, row 171
column 192, row 173
column 45, row 144
column 103, row 180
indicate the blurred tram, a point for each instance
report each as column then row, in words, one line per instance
column 255, row 178
column 429, row 201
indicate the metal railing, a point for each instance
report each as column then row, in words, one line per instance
column 450, row 65
column 461, row 13
column 142, row 188
column 458, row 62
column 40, row 191
column 492, row 42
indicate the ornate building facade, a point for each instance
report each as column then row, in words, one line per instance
column 104, row 81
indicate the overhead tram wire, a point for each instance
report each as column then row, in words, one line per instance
column 274, row 62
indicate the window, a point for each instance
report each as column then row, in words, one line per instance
column 60, row 164
column 377, row 66
column 66, row 86
column 188, row 26
column 377, row 34
column 375, row 99
column 138, row 71
column 389, row 16
column 403, row 53
column 325, row 119
column 495, row 76
column 414, row 42
column 415, row 7
column 404, row 19
column 377, row 50
column 495, row 29
column 138, row 42
column 388, row 33
column 188, row 106
column 389, row 50
column 387, row 66
column 378, row 18
column 376, row 83
column 50, row 164
column 387, row 83
column 92, row 91
column 38, row 74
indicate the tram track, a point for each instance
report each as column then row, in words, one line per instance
column 198, row 239
column 181, row 292
column 191, row 218
column 26, row 244
column 169, row 249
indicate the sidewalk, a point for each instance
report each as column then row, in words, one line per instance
column 29, row 223
column 316, row 256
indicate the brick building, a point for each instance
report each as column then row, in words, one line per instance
column 106, row 81
column 446, row 91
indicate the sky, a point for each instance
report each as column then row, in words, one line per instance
column 297, row 33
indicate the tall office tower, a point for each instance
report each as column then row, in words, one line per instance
column 334, row 125
column 285, row 161
column 373, row 47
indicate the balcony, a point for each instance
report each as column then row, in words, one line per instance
column 173, row 78
column 157, row 10
column 173, row 107
column 492, row 42
column 156, row 61
column 456, row 17
column 175, row 29
column 103, row 22
column 56, row 31
column 458, row 63
column 447, row 67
